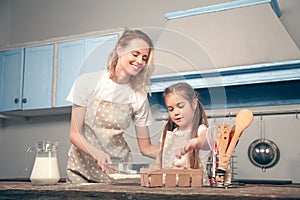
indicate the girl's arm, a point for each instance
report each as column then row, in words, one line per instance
column 199, row 142
column 76, row 137
column 144, row 142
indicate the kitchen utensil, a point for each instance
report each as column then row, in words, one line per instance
column 263, row 152
column 224, row 139
column 243, row 119
column 227, row 144
column 226, row 135
column 125, row 172
column 45, row 169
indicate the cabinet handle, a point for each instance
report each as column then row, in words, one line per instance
column 24, row 100
column 16, row 100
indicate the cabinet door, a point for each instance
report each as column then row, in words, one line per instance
column 11, row 78
column 38, row 70
column 98, row 50
column 70, row 60
column 79, row 57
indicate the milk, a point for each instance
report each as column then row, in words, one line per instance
column 45, row 171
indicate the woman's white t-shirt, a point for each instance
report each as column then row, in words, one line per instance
column 90, row 86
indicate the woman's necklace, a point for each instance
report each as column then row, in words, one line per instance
column 182, row 133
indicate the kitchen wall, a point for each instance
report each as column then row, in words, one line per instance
column 283, row 130
column 17, row 135
column 26, row 22
column 33, row 20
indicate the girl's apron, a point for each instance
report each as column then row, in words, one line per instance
column 104, row 126
column 172, row 142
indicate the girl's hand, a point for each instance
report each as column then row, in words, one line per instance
column 198, row 143
column 190, row 145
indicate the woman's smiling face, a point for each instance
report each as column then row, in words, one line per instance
column 180, row 110
column 134, row 57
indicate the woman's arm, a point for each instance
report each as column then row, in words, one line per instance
column 76, row 137
column 144, row 142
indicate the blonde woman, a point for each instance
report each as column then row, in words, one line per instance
column 105, row 103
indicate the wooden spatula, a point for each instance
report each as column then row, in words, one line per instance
column 242, row 121
column 224, row 139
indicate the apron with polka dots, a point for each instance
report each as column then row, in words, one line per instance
column 104, row 126
column 172, row 142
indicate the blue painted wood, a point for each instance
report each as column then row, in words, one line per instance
column 70, row 59
column 262, row 94
column 11, row 79
column 250, row 95
column 239, row 75
column 38, row 73
column 276, row 8
column 265, row 84
column 98, row 50
column 80, row 56
column 222, row 7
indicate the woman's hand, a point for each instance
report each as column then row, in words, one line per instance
column 76, row 137
column 103, row 159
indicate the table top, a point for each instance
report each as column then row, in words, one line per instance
column 23, row 190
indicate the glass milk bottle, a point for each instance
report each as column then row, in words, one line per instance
column 45, row 169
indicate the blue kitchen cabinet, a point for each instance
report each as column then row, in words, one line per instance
column 80, row 56
column 38, row 74
column 26, row 78
column 97, row 52
column 11, row 79
column 70, row 59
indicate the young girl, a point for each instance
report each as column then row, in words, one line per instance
column 185, row 131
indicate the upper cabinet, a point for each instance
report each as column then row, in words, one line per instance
column 32, row 78
column 70, row 58
column 38, row 70
column 26, row 78
column 11, row 79
column 80, row 56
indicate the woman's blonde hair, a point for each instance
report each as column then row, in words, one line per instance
column 188, row 93
column 142, row 80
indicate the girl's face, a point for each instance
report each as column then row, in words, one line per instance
column 180, row 110
column 133, row 58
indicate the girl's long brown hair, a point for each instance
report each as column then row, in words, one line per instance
column 187, row 92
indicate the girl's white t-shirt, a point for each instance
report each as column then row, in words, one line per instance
column 201, row 128
column 90, row 86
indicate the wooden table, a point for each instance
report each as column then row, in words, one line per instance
column 25, row 190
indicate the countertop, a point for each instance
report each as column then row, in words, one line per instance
column 25, row 190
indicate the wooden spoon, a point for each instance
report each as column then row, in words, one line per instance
column 242, row 121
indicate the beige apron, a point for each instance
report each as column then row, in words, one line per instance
column 104, row 126
column 172, row 142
